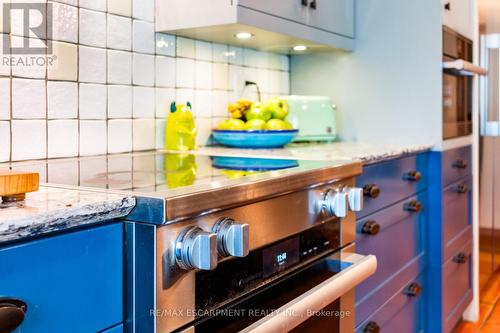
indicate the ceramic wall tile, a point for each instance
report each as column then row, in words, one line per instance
column 28, row 99
column 119, row 136
column 143, row 37
column 119, row 101
column 119, row 34
column 165, row 44
column 185, row 73
column 204, row 127
column 203, row 103
column 62, row 138
column 165, row 71
column 143, row 134
column 220, row 76
column 4, row 141
column 64, row 20
column 203, row 50
column 4, row 40
column 143, row 102
column 120, row 7
column 93, row 137
column 143, row 9
column 66, row 172
column 235, row 55
column 27, row 70
column 93, row 4
column 185, row 47
column 160, row 133
column 4, row 4
column 143, row 72
column 164, row 97
column 17, row 22
column 183, row 96
column 119, row 67
column 92, row 28
column 29, row 139
column 62, row 100
column 92, row 101
column 92, row 64
column 219, row 103
column 65, row 65
column 220, row 53
column 5, row 98
column 203, row 75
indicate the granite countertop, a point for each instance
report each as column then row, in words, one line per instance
column 53, row 209
column 367, row 153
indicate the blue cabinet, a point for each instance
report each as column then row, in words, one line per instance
column 450, row 238
column 71, row 282
column 392, row 226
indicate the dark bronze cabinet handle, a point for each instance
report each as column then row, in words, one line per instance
column 460, row 164
column 413, row 176
column 371, row 327
column 371, row 190
column 447, row 6
column 370, row 228
column 314, row 4
column 12, row 314
column 413, row 206
column 460, row 258
column 462, row 188
column 413, row 290
column 305, row 2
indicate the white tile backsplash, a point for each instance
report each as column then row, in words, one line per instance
column 4, row 4
column 92, row 64
column 92, row 28
column 93, row 137
column 119, row 32
column 4, row 98
column 119, row 67
column 62, row 138
column 62, row 100
column 28, row 99
column 119, row 101
column 29, row 139
column 110, row 88
column 92, row 101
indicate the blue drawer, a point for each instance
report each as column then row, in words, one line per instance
column 457, row 287
column 390, row 179
column 402, row 313
column 457, row 163
column 457, row 211
column 399, row 229
column 71, row 283
column 116, row 329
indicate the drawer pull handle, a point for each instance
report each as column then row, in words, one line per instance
column 305, row 3
column 447, row 6
column 371, row 190
column 413, row 176
column 12, row 314
column 460, row 164
column 314, row 4
column 413, row 206
column 371, row 327
column 413, row 290
column 370, row 228
column 460, row 258
column 462, row 188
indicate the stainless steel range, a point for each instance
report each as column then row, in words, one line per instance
column 230, row 244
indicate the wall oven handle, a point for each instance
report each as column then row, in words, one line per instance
column 300, row 309
column 464, row 68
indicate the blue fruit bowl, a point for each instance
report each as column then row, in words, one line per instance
column 251, row 164
column 254, row 139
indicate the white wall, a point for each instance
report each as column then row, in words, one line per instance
column 390, row 87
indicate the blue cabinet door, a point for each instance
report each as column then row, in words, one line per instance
column 70, row 283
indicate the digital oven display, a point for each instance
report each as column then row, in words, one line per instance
column 279, row 257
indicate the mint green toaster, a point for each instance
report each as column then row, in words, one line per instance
column 313, row 116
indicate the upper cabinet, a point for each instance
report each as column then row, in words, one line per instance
column 458, row 15
column 275, row 26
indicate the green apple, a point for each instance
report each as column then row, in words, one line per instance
column 288, row 125
column 278, row 107
column 258, row 112
column 275, row 125
column 236, row 125
column 224, row 125
column 255, row 124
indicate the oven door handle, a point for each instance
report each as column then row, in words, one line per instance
column 464, row 68
column 303, row 307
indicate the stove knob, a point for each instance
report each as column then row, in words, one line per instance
column 232, row 238
column 355, row 198
column 196, row 249
column 335, row 202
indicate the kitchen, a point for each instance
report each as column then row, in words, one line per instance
column 147, row 168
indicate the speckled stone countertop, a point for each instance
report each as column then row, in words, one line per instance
column 367, row 153
column 53, row 209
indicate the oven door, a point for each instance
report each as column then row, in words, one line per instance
column 317, row 298
column 457, row 104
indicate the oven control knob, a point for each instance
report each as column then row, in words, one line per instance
column 355, row 198
column 232, row 238
column 196, row 249
column 335, row 202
